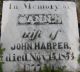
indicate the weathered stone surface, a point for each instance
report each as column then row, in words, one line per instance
column 78, row 9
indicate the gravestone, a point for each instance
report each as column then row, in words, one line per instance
column 38, row 33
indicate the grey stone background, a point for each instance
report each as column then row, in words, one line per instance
column 77, row 2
